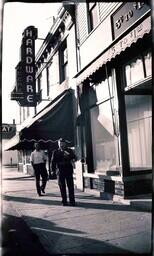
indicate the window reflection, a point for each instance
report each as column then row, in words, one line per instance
column 138, row 113
column 103, row 137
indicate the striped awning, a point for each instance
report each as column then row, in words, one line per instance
column 114, row 50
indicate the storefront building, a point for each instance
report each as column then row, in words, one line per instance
column 115, row 97
column 94, row 88
column 52, row 114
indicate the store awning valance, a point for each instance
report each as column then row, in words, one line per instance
column 52, row 123
column 114, row 50
column 14, row 141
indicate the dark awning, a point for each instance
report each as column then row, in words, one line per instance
column 55, row 121
column 115, row 49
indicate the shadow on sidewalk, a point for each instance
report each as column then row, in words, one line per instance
column 86, row 205
column 58, row 240
column 20, row 178
column 18, row 240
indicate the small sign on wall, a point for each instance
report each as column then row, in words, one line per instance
column 8, row 131
column 126, row 16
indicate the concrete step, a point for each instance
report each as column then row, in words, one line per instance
column 145, row 204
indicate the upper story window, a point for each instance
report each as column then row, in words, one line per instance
column 38, row 88
column 92, row 15
column 53, row 73
column 138, row 69
column 63, row 57
column 44, row 83
column 38, row 84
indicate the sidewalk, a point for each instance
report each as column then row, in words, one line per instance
column 93, row 226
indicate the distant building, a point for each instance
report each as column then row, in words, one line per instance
column 8, row 131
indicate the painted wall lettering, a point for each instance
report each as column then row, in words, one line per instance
column 127, row 15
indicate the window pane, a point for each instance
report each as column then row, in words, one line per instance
column 65, row 71
column 44, row 84
column 54, row 72
column 65, row 56
column 93, row 17
column 134, row 71
column 128, row 75
column 102, row 89
column 148, row 63
column 103, row 137
column 38, row 84
column 138, row 112
column 91, row 4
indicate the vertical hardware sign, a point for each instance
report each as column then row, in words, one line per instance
column 28, row 64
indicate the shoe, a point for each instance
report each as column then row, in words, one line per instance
column 43, row 191
column 65, row 204
column 73, row 204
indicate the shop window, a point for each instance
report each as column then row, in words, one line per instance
column 63, row 55
column 139, row 126
column 92, row 15
column 138, row 69
column 104, row 125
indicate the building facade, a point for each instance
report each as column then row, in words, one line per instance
column 9, row 158
column 115, row 95
column 53, row 115
column 94, row 88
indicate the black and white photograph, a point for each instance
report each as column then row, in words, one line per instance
column 76, row 128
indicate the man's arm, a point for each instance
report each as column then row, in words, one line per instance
column 44, row 157
column 70, row 154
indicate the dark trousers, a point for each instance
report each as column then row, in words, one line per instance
column 63, row 180
column 40, row 171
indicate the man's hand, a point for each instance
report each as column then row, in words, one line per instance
column 66, row 153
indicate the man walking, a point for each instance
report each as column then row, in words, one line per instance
column 38, row 161
column 61, row 161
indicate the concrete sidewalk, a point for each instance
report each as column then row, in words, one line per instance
column 93, row 226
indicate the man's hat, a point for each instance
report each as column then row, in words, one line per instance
column 63, row 140
column 36, row 143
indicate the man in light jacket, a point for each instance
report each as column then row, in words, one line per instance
column 38, row 161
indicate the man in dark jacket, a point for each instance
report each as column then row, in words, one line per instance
column 62, row 164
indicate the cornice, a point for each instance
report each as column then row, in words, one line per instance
column 55, row 36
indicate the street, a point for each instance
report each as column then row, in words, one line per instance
column 35, row 225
